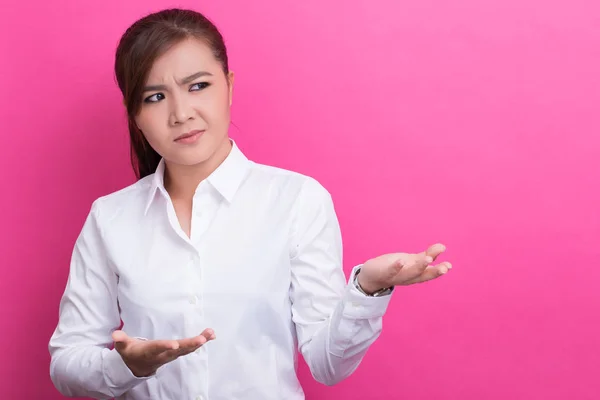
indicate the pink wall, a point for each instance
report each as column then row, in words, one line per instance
column 470, row 122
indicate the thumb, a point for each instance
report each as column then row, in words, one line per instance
column 121, row 339
column 398, row 265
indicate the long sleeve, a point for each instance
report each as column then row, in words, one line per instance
column 82, row 363
column 335, row 323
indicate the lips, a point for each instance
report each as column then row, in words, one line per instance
column 188, row 136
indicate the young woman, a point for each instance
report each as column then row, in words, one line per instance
column 209, row 244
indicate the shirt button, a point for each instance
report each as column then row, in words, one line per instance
column 199, row 398
column 193, row 300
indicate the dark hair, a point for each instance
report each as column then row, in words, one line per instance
column 141, row 44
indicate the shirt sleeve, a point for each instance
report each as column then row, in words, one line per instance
column 335, row 323
column 82, row 362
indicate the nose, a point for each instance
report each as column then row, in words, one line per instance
column 181, row 111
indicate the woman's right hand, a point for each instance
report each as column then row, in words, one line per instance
column 144, row 357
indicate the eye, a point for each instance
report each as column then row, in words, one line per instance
column 155, row 98
column 199, row 86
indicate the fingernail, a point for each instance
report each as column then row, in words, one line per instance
column 449, row 266
column 443, row 271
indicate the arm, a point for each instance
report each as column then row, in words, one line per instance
column 335, row 322
column 82, row 364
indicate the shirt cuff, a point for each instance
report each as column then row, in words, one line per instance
column 359, row 306
column 119, row 377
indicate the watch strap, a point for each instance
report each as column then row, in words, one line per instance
column 378, row 293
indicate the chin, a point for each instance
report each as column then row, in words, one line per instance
column 192, row 159
column 195, row 155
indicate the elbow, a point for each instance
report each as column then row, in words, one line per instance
column 59, row 377
column 67, row 383
column 58, row 381
column 326, row 368
column 332, row 376
column 62, row 389
column 330, row 379
column 324, row 378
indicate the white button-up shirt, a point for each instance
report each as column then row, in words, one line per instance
column 262, row 267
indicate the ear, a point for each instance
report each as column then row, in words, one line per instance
column 230, row 80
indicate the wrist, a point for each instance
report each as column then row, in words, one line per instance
column 366, row 286
column 369, row 287
column 143, row 372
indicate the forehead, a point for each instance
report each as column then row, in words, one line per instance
column 182, row 59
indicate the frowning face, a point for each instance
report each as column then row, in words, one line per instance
column 185, row 112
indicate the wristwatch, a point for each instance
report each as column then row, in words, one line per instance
column 379, row 293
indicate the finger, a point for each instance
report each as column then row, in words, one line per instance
column 416, row 263
column 120, row 339
column 188, row 345
column 413, row 266
column 209, row 334
column 425, row 258
column 171, row 355
column 434, row 251
column 119, row 336
column 154, row 348
column 398, row 265
column 197, row 341
column 206, row 336
column 431, row 272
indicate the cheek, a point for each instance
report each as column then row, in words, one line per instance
column 218, row 110
column 149, row 124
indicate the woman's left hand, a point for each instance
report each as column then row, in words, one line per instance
column 402, row 269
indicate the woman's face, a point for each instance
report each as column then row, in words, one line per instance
column 185, row 110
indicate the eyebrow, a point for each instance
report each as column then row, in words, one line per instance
column 184, row 81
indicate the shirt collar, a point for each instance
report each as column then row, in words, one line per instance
column 226, row 179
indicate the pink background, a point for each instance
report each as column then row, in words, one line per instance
column 474, row 123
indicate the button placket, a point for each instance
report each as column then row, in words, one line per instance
column 196, row 271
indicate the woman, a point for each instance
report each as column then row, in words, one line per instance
column 209, row 243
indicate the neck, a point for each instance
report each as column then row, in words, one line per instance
column 181, row 181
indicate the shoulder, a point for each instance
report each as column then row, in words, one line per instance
column 304, row 187
column 306, row 199
column 127, row 199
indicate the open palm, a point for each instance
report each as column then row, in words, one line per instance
column 396, row 269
